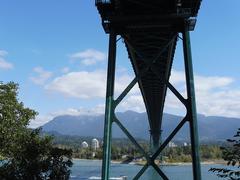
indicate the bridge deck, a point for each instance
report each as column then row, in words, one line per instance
column 149, row 29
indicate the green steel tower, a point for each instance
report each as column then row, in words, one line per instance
column 150, row 30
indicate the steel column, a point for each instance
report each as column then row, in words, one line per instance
column 155, row 141
column 109, row 109
column 191, row 107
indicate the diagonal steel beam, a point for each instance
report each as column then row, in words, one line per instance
column 176, row 93
column 169, row 85
column 159, row 171
column 126, row 91
column 149, row 160
column 140, row 173
column 138, row 76
column 169, row 138
column 132, row 139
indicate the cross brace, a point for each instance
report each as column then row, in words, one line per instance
column 189, row 103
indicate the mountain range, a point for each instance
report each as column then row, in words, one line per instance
column 211, row 128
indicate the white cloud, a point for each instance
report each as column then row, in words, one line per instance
column 86, row 84
column 89, row 57
column 65, row 70
column 41, row 76
column 40, row 120
column 4, row 64
column 81, row 84
column 223, row 102
column 201, row 82
column 134, row 103
column 214, row 94
column 177, row 77
column 173, row 103
column 97, row 110
column 211, row 83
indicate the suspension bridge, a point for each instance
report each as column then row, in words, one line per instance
column 150, row 30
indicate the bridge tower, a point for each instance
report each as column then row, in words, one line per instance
column 150, row 30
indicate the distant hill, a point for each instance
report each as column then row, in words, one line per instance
column 210, row 127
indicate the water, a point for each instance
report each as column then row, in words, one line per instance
column 87, row 169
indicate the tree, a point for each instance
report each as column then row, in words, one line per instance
column 231, row 154
column 14, row 118
column 25, row 152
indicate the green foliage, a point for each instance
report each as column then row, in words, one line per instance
column 231, row 154
column 13, row 116
column 183, row 153
column 210, row 152
column 36, row 158
column 25, row 154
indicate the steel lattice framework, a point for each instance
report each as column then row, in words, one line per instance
column 150, row 30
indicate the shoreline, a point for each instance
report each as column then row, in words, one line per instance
column 209, row 162
column 142, row 163
column 189, row 163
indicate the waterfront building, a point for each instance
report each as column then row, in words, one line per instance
column 84, row 144
column 172, row 144
column 95, row 144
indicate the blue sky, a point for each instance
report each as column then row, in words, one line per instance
column 56, row 51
